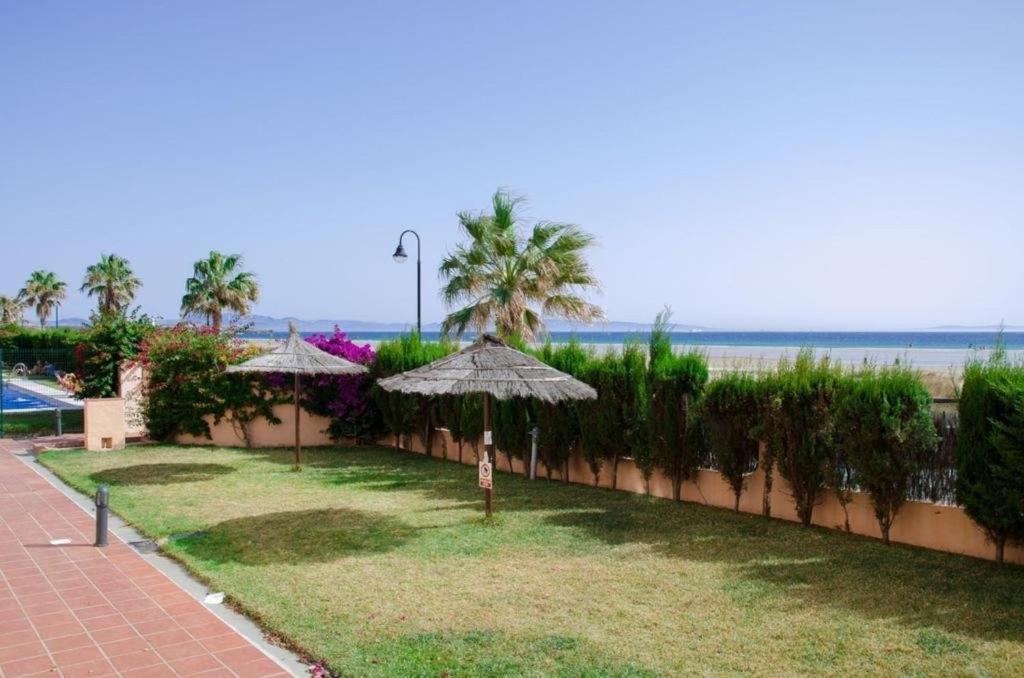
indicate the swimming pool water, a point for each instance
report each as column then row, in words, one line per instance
column 16, row 399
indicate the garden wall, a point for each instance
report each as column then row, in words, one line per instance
column 264, row 434
column 933, row 526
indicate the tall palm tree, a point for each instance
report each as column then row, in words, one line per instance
column 11, row 309
column 218, row 283
column 513, row 279
column 44, row 291
column 113, row 282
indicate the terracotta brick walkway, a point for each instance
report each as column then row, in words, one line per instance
column 77, row 610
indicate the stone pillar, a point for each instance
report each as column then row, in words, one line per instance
column 104, row 424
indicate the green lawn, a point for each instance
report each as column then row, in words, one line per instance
column 380, row 562
column 40, row 423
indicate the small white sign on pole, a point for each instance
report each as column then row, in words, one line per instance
column 485, row 475
column 488, row 438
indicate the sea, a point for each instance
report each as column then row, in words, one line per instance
column 931, row 349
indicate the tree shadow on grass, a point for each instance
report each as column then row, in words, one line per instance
column 320, row 535
column 159, row 474
column 771, row 559
column 773, row 562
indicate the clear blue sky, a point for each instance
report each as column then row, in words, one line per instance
column 776, row 165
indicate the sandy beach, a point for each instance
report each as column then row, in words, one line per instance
column 941, row 368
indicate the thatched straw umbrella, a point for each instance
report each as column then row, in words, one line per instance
column 489, row 366
column 298, row 357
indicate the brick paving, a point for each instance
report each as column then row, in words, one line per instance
column 76, row 610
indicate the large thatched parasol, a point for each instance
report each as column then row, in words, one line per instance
column 298, row 357
column 491, row 367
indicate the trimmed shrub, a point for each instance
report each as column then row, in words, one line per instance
column 730, row 414
column 463, row 417
column 630, row 391
column 799, row 424
column 885, row 429
column 559, row 424
column 187, row 382
column 17, row 337
column 401, row 414
column 676, row 383
column 990, row 458
column 512, row 420
column 615, row 426
column 471, row 421
column 602, row 422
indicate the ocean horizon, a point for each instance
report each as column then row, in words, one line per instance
column 959, row 340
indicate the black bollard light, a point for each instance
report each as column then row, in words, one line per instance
column 102, row 502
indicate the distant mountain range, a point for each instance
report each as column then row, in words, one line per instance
column 266, row 323
column 263, row 323
column 269, row 323
column 975, row 328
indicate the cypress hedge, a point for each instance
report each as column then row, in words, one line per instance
column 729, row 411
column 676, row 384
column 990, row 450
column 603, row 429
column 559, row 423
column 402, row 414
column 885, row 429
column 799, row 422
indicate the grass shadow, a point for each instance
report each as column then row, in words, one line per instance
column 818, row 568
column 160, row 474
column 317, row 535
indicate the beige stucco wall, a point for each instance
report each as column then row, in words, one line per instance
column 262, row 434
column 933, row 526
column 104, row 418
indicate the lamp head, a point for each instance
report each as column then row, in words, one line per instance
column 400, row 256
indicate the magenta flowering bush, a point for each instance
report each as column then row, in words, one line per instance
column 343, row 398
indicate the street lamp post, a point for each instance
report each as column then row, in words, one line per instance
column 400, row 256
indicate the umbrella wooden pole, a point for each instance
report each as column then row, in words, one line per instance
column 488, row 449
column 298, row 444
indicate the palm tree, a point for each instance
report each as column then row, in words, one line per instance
column 44, row 291
column 217, row 283
column 112, row 281
column 504, row 277
column 11, row 309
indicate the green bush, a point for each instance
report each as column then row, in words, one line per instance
column 402, row 414
column 884, row 427
column 730, row 414
column 109, row 342
column 799, row 419
column 463, row 417
column 511, row 421
column 676, row 383
column 615, row 426
column 471, row 421
column 187, row 382
column 17, row 337
column 602, row 422
column 559, row 423
column 990, row 456
column 632, row 394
